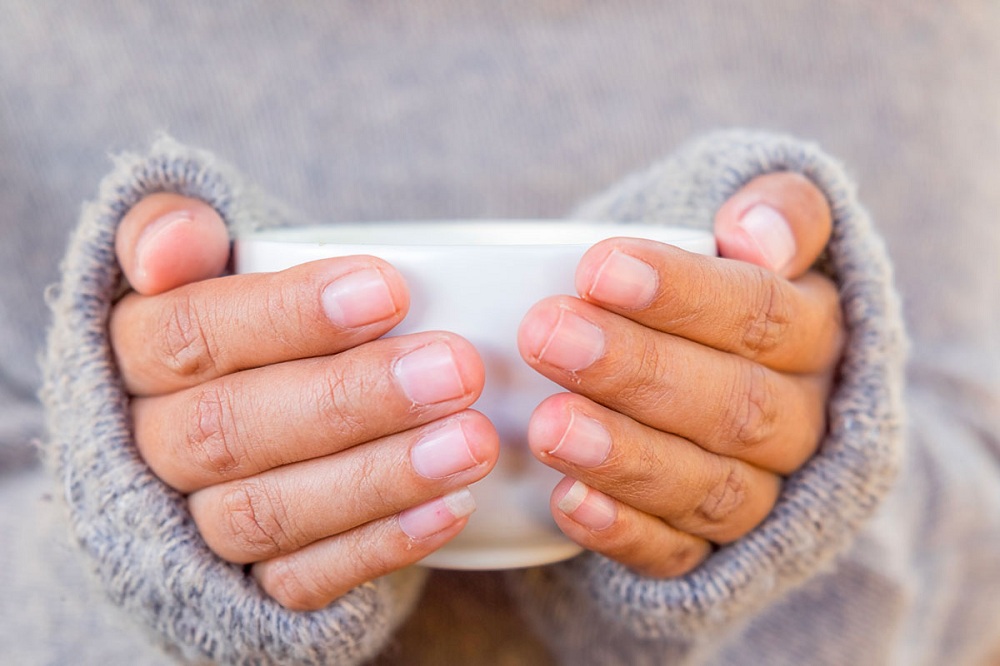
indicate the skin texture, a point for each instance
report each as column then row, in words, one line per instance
column 701, row 387
column 252, row 394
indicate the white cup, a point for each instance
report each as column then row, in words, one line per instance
column 478, row 279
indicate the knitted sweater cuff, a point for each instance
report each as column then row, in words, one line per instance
column 137, row 532
column 823, row 505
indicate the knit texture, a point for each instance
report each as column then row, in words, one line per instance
column 824, row 504
column 138, row 533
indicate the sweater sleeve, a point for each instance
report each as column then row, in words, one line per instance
column 826, row 503
column 137, row 533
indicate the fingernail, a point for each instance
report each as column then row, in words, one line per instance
column 624, row 281
column 358, row 299
column 428, row 519
column 429, row 374
column 769, row 231
column 442, row 452
column 590, row 508
column 146, row 238
column 585, row 443
column 573, row 344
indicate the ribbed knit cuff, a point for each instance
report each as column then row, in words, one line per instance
column 825, row 503
column 137, row 532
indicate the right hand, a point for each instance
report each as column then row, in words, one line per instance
column 307, row 447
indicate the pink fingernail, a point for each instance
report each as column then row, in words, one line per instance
column 769, row 231
column 172, row 219
column 590, row 508
column 442, row 452
column 624, row 281
column 585, row 442
column 358, row 299
column 429, row 374
column 428, row 519
column 573, row 344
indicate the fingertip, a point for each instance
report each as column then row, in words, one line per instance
column 180, row 248
column 167, row 240
column 779, row 221
column 482, row 438
column 760, row 235
column 548, row 424
column 471, row 367
column 536, row 327
column 586, row 506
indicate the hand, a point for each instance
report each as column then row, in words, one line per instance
column 697, row 382
column 307, row 447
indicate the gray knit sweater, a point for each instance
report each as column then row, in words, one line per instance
column 881, row 550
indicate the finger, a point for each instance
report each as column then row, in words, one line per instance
column 167, row 240
column 720, row 401
column 636, row 539
column 713, row 497
column 728, row 305
column 779, row 221
column 287, row 508
column 242, row 424
column 208, row 329
column 312, row 577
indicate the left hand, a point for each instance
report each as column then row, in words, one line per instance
column 697, row 382
column 308, row 446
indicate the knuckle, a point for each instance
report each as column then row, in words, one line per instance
column 620, row 543
column 378, row 560
column 369, row 483
column 678, row 561
column 749, row 412
column 639, row 383
column 727, row 493
column 282, row 315
column 183, row 341
column 638, row 472
column 292, row 585
column 257, row 520
column 299, row 584
column 766, row 324
column 666, row 555
column 211, row 433
column 337, row 405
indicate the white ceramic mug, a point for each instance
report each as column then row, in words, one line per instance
column 478, row 279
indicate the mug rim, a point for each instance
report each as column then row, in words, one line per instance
column 472, row 233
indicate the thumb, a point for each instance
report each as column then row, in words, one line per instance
column 167, row 240
column 780, row 221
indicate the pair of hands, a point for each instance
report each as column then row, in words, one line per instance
column 326, row 457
